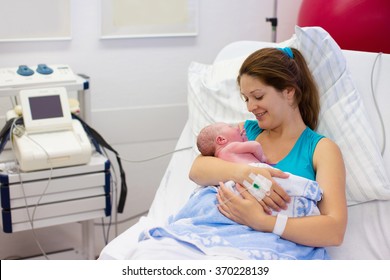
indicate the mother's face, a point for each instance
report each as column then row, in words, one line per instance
column 269, row 105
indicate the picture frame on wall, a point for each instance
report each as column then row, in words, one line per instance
column 148, row 18
column 38, row 20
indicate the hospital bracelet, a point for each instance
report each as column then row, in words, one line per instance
column 280, row 225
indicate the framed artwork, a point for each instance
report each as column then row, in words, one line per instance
column 26, row 20
column 148, row 18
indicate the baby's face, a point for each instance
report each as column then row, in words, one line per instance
column 233, row 133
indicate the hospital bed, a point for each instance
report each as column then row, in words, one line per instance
column 354, row 90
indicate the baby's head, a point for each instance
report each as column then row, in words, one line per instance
column 218, row 134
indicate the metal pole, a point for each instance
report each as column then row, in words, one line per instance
column 274, row 22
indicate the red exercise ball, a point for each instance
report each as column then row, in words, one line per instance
column 362, row 25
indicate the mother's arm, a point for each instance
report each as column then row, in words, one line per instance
column 328, row 229
column 208, row 170
column 325, row 230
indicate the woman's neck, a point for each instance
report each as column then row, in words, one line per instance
column 291, row 128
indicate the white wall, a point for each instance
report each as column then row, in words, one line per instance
column 138, row 92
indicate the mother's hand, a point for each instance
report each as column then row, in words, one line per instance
column 244, row 209
column 278, row 198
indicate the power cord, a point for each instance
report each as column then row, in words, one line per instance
column 113, row 200
column 116, row 222
column 376, row 104
column 156, row 157
column 18, row 131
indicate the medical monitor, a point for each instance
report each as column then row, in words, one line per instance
column 45, row 110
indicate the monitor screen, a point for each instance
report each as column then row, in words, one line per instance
column 45, row 110
column 45, row 107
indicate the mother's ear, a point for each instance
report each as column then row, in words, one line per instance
column 289, row 93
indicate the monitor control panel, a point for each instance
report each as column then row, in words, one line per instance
column 25, row 76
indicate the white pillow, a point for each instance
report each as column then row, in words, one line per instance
column 214, row 96
column 214, row 101
column 343, row 116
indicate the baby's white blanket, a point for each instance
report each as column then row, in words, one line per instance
column 304, row 195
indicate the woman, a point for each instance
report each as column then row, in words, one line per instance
column 279, row 90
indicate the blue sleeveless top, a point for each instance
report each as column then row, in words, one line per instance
column 299, row 161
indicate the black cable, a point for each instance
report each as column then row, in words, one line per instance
column 95, row 135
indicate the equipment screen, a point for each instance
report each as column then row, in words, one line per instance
column 45, row 107
column 45, row 110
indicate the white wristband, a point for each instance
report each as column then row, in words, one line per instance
column 280, row 225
